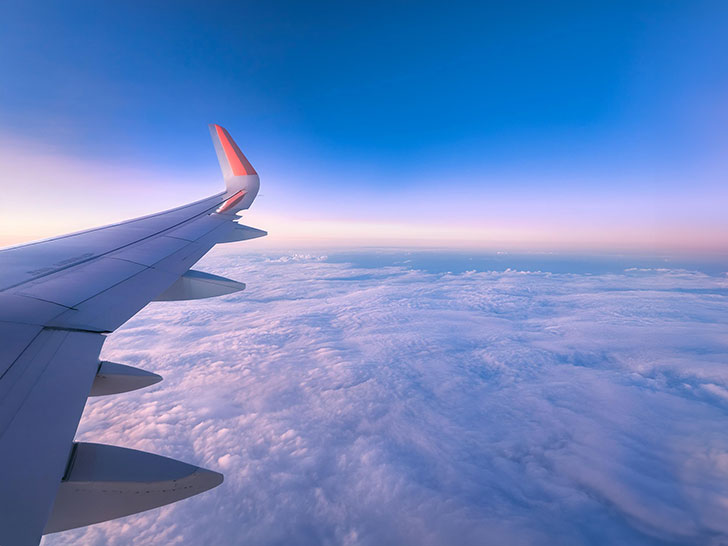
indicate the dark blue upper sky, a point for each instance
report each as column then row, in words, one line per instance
column 378, row 93
column 382, row 82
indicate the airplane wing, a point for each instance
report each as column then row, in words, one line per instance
column 59, row 299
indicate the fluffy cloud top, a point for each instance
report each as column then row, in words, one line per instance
column 390, row 405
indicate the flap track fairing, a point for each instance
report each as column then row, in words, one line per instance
column 113, row 378
column 243, row 233
column 195, row 285
column 105, row 482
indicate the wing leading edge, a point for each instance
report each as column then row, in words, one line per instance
column 59, row 298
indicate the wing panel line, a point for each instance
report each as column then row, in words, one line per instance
column 90, row 259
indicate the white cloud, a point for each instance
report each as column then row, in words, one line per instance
column 396, row 406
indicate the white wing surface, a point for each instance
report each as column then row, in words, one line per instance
column 59, row 298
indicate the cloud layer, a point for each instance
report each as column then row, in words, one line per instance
column 362, row 406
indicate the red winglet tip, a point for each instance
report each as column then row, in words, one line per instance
column 239, row 164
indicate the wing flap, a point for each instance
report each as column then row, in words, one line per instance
column 193, row 231
column 40, row 412
column 150, row 251
column 14, row 338
column 110, row 309
column 75, row 285
column 25, row 310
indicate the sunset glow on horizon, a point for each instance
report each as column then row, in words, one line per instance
column 72, row 194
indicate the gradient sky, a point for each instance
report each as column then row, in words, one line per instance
column 528, row 125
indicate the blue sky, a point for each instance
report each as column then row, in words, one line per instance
column 522, row 113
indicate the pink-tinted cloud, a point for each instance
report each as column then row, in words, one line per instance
column 395, row 406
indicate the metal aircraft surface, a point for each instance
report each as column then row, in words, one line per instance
column 59, row 299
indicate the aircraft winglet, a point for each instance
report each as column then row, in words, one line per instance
column 232, row 161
